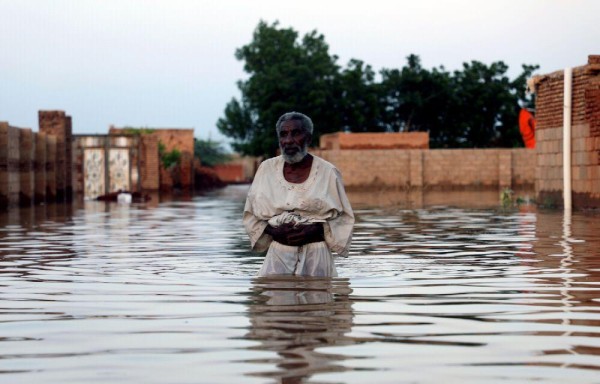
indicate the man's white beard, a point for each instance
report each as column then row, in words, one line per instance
column 295, row 158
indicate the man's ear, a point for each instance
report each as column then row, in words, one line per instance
column 309, row 138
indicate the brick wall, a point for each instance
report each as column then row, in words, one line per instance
column 180, row 139
column 9, row 166
column 39, row 168
column 26, row 159
column 27, row 167
column 59, row 125
column 51, row 168
column 230, row 173
column 585, row 140
column 150, row 163
column 439, row 169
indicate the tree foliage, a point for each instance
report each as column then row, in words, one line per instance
column 168, row 159
column 476, row 106
column 210, row 152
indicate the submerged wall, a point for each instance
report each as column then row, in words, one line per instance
column 28, row 163
column 434, row 169
column 181, row 139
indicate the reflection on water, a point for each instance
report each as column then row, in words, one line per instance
column 157, row 293
column 294, row 316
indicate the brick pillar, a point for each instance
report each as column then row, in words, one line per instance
column 58, row 124
column 26, row 178
column 9, row 166
column 504, row 169
column 39, row 168
column 149, row 163
column 78, row 145
column 68, row 158
column 50, row 168
column 3, row 165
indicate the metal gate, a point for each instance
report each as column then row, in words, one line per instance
column 100, row 171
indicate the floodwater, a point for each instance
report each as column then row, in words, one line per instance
column 165, row 293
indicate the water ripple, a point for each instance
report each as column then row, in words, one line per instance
column 166, row 293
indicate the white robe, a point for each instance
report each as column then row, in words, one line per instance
column 321, row 198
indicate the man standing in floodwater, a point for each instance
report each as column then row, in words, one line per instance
column 297, row 208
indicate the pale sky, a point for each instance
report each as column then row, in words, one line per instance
column 171, row 64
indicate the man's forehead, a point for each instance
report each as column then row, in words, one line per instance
column 291, row 124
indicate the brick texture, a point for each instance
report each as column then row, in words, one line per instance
column 26, row 158
column 180, row 139
column 389, row 140
column 438, row 169
column 230, row 173
column 59, row 125
column 585, row 136
column 39, row 168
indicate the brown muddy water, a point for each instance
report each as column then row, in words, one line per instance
column 438, row 291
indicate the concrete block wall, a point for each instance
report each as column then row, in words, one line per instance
column 437, row 169
column 585, row 138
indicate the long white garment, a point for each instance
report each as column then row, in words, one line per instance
column 320, row 198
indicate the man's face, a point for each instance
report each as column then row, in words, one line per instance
column 293, row 141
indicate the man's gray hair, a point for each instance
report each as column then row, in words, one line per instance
column 304, row 120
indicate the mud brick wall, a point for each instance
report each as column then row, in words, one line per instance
column 39, row 168
column 230, row 173
column 26, row 159
column 437, row 169
column 51, row 168
column 370, row 140
column 9, row 166
column 182, row 140
column 58, row 124
column 69, row 158
column 149, row 163
column 172, row 138
column 585, row 140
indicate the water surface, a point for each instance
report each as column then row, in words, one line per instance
column 165, row 293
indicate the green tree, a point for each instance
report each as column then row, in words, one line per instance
column 486, row 106
column 285, row 74
column 476, row 106
column 357, row 99
column 415, row 99
column 210, row 152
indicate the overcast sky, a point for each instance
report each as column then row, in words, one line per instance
column 171, row 63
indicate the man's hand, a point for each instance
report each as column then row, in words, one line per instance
column 289, row 234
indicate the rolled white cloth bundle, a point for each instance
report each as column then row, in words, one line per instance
column 292, row 217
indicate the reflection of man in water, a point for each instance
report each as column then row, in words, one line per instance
column 297, row 207
column 294, row 316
